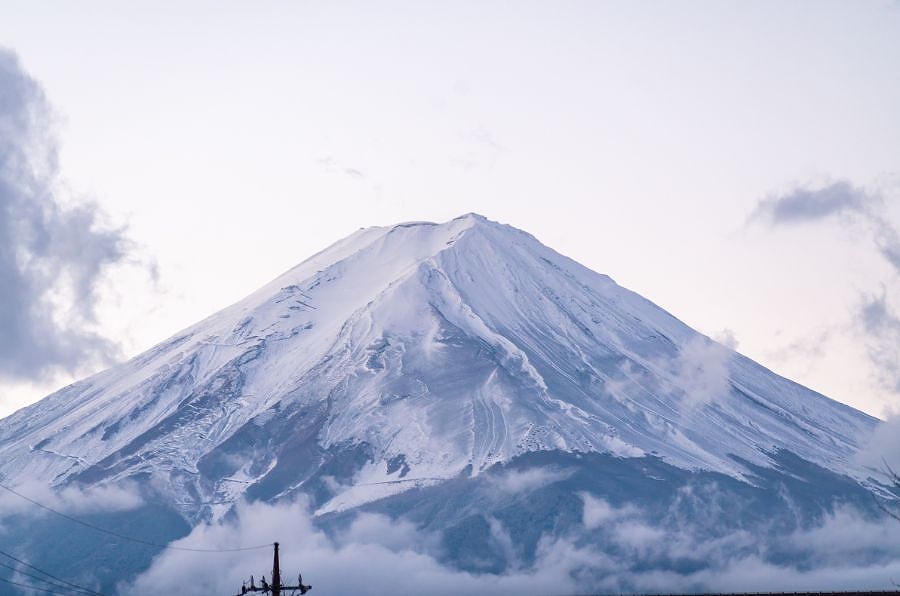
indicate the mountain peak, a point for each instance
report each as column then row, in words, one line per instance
column 455, row 225
column 475, row 217
column 449, row 347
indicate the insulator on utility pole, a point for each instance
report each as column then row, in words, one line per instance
column 276, row 587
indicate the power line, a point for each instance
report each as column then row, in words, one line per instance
column 131, row 538
column 50, row 575
column 45, row 591
column 52, row 583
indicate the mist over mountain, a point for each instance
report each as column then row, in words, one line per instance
column 464, row 406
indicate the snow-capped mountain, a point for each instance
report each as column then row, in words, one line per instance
column 441, row 348
column 403, row 360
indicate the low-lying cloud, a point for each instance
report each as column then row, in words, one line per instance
column 514, row 482
column 375, row 556
column 71, row 500
column 702, row 370
column 53, row 253
column 616, row 549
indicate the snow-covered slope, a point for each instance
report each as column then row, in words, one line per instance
column 402, row 356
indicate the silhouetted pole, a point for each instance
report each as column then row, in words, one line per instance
column 275, row 588
column 276, row 575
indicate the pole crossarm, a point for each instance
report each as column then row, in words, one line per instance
column 276, row 587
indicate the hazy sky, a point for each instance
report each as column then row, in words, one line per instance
column 738, row 163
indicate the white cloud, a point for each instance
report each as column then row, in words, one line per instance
column 702, row 371
column 71, row 500
column 727, row 338
column 377, row 555
column 598, row 512
column 54, row 255
column 883, row 447
column 521, row 481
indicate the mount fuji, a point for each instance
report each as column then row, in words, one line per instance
column 460, row 378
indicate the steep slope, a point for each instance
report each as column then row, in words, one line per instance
column 403, row 356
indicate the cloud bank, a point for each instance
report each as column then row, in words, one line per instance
column 53, row 254
column 374, row 556
column 615, row 549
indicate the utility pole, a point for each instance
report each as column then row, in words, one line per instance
column 276, row 574
column 276, row 587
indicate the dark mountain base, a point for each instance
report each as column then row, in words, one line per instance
column 497, row 521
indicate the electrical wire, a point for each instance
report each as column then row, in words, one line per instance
column 58, row 580
column 53, row 584
column 62, row 584
column 50, row 575
column 131, row 538
column 45, row 591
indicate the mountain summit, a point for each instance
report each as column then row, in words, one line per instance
column 400, row 365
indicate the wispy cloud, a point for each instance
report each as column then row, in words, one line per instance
column 881, row 326
column 882, row 450
column 52, row 255
column 331, row 165
column 727, row 338
column 808, row 349
column 514, row 482
column 702, row 370
column 805, row 204
column 70, row 500
column 853, row 205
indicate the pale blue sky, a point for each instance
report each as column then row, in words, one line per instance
column 640, row 138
